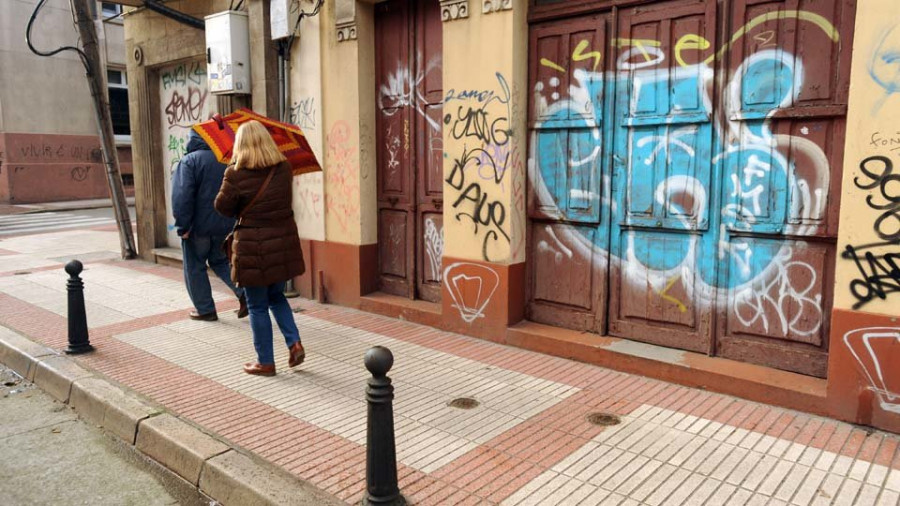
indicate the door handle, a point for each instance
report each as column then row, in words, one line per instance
column 393, row 201
column 438, row 204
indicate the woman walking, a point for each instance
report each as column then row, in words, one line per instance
column 266, row 249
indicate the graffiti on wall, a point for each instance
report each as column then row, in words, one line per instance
column 877, row 354
column 877, row 263
column 471, row 287
column 667, row 164
column 342, row 197
column 884, row 66
column 479, row 120
column 184, row 101
column 434, row 249
column 403, row 89
column 303, row 113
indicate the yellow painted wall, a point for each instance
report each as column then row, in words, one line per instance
column 485, row 73
column 348, row 96
column 873, row 145
column 306, row 111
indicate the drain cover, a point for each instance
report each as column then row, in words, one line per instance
column 602, row 419
column 463, row 403
column 21, row 273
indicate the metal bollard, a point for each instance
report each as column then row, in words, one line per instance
column 381, row 452
column 79, row 341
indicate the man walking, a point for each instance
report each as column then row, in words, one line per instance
column 195, row 184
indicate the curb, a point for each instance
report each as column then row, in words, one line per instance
column 62, row 207
column 214, row 467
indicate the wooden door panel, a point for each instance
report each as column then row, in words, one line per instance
column 786, row 101
column 568, row 260
column 662, row 271
column 410, row 146
column 396, row 166
column 395, row 241
column 568, row 276
column 430, row 255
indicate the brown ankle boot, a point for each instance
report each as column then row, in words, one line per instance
column 259, row 369
column 297, row 355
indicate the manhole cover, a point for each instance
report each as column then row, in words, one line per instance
column 463, row 403
column 603, row 419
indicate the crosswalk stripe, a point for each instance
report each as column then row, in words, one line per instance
column 23, row 218
column 74, row 220
column 60, row 223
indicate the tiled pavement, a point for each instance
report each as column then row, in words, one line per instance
column 527, row 442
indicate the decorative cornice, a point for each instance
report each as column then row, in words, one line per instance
column 454, row 9
column 345, row 20
column 489, row 6
column 346, row 32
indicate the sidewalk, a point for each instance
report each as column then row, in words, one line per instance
column 529, row 440
column 72, row 205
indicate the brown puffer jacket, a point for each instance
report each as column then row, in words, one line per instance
column 266, row 243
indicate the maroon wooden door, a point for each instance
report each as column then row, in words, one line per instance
column 410, row 150
column 692, row 159
column 661, row 233
column 780, row 316
column 568, row 262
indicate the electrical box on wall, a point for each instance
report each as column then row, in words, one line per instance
column 283, row 15
column 228, row 52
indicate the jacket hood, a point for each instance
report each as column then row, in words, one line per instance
column 196, row 143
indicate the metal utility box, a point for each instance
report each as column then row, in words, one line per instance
column 228, row 52
column 283, row 16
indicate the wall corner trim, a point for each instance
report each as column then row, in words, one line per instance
column 455, row 9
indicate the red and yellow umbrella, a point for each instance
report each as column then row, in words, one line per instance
column 220, row 131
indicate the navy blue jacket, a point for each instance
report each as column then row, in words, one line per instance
column 195, row 184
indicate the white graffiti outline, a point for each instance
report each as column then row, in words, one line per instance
column 434, row 247
column 889, row 400
column 489, row 277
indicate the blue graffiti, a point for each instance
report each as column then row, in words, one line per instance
column 689, row 191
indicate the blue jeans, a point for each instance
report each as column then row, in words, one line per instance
column 260, row 299
column 198, row 251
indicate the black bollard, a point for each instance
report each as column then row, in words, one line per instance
column 381, row 453
column 79, row 341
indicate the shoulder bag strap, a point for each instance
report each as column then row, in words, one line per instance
column 258, row 193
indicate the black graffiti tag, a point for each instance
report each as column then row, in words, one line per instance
column 185, row 110
column 878, row 172
column 879, row 274
column 475, row 204
column 79, row 174
column 478, row 123
column 879, row 271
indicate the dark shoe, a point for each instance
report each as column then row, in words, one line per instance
column 208, row 317
column 298, row 355
column 243, row 311
column 259, row 369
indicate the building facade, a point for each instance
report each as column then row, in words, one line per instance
column 49, row 146
column 700, row 191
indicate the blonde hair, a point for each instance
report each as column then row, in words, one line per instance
column 254, row 147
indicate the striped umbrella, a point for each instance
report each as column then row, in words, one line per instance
column 220, row 131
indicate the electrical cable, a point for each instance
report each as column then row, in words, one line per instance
column 303, row 14
column 58, row 50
